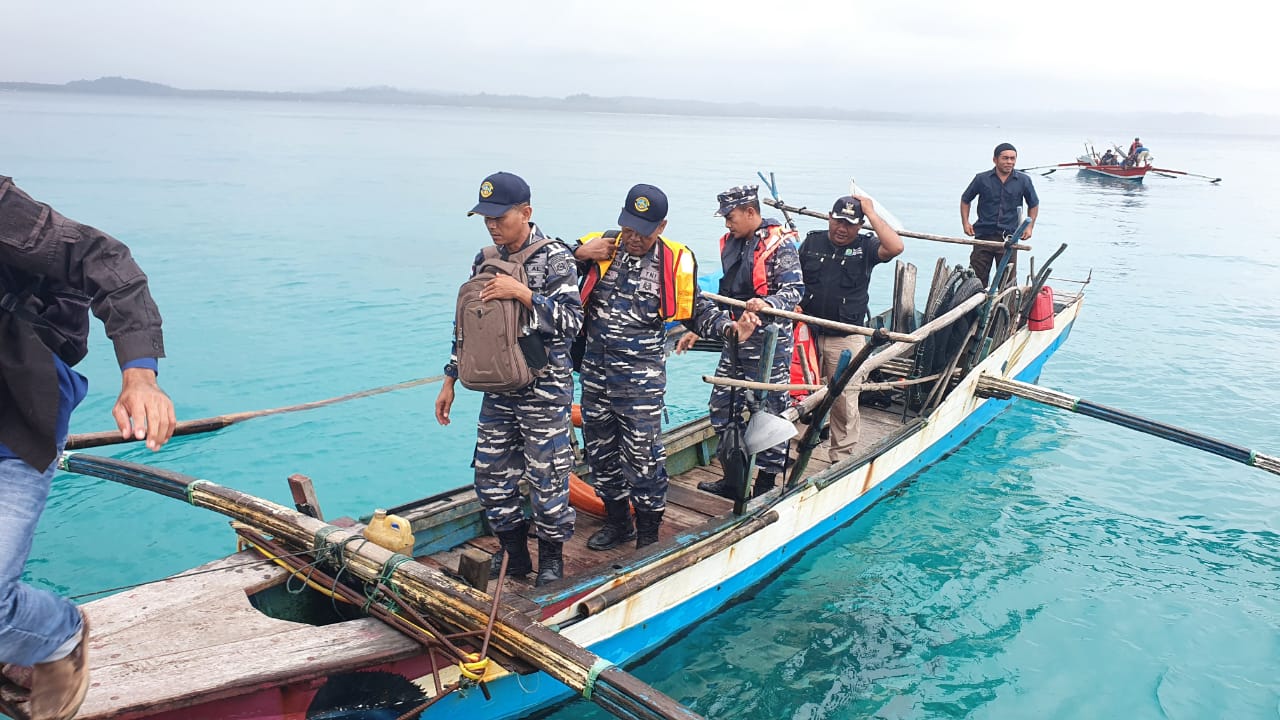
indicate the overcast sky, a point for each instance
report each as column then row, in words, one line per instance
column 1120, row 55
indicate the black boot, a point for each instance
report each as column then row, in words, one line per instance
column 722, row 487
column 647, row 522
column 617, row 529
column 765, row 482
column 515, row 542
column 550, row 562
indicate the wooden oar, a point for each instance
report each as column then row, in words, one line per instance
column 989, row 386
column 195, row 427
column 992, row 244
column 1179, row 172
column 426, row 590
column 1055, row 167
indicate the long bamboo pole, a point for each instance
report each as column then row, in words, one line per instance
column 991, row 244
column 426, row 590
column 1003, row 388
column 80, row 441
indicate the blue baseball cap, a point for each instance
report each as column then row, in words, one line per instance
column 498, row 193
column 645, row 209
column 848, row 209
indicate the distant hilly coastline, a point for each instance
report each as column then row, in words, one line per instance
column 382, row 95
column 1145, row 122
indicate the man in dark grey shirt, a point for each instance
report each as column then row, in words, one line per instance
column 1000, row 192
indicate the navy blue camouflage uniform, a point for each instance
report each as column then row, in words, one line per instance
column 525, row 434
column 624, row 378
column 785, row 287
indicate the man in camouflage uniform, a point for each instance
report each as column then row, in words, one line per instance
column 761, row 267
column 635, row 280
column 524, row 434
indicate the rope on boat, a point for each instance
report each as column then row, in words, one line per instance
column 597, row 667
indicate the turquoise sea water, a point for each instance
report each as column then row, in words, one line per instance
column 1054, row 567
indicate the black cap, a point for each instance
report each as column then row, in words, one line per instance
column 737, row 197
column 498, row 193
column 645, row 209
column 848, row 209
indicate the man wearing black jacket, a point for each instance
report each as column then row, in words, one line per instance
column 52, row 272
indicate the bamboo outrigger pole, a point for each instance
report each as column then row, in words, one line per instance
column 80, row 441
column 1002, row 388
column 424, row 589
column 992, row 244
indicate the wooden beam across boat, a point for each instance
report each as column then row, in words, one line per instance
column 992, row 244
column 425, row 589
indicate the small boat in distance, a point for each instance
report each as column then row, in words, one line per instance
column 1117, row 164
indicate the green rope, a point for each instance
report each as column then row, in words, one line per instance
column 191, row 488
column 321, row 544
column 598, row 667
column 384, row 578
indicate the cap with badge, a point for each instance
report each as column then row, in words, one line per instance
column 737, row 197
column 499, row 193
column 644, row 210
column 848, row 209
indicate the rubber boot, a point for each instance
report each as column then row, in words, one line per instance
column 550, row 562
column 58, row 688
column 647, row 522
column 765, row 482
column 722, row 487
column 617, row 529
column 516, row 543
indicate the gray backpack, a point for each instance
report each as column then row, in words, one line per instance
column 492, row 355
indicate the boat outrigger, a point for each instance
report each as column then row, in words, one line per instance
column 336, row 625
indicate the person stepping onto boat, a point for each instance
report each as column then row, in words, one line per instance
column 761, row 267
column 836, row 264
column 634, row 281
column 52, row 271
column 1000, row 193
column 524, row 434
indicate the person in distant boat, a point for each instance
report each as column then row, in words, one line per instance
column 1108, row 158
column 836, row 264
column 1000, row 193
column 761, row 267
column 53, row 270
column 634, row 282
column 525, row 434
column 1133, row 149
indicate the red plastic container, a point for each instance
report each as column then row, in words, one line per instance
column 1041, row 315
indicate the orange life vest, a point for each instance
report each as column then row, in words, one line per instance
column 679, row 276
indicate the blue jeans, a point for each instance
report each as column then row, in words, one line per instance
column 33, row 622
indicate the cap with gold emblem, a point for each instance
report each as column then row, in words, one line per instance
column 498, row 193
column 644, row 210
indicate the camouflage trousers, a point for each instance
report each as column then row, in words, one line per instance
column 623, row 439
column 724, row 409
column 525, row 435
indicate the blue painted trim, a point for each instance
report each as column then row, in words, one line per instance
column 515, row 697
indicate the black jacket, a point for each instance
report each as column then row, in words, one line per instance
column 52, row 271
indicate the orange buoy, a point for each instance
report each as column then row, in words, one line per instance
column 583, row 497
column 575, row 414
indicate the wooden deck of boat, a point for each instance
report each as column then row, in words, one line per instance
column 197, row 636
column 688, row 508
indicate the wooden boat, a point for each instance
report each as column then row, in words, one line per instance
column 1131, row 173
column 1114, row 165
column 238, row 638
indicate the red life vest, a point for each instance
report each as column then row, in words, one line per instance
column 804, row 360
column 765, row 248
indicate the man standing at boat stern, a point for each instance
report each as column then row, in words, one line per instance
column 524, row 434
column 634, row 281
column 1000, row 193
column 52, row 271
column 762, row 269
column 837, row 264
